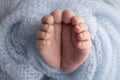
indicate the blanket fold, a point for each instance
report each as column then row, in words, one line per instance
column 20, row 20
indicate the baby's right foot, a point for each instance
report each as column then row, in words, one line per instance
column 76, row 43
column 49, row 39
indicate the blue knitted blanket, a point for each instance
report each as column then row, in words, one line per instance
column 19, row 22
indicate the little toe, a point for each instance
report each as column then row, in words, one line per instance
column 57, row 14
column 67, row 16
column 83, row 36
column 77, row 20
column 80, row 28
column 48, row 19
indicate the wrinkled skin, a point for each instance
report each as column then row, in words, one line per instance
column 63, row 40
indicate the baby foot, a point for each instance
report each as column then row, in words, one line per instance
column 49, row 39
column 76, row 42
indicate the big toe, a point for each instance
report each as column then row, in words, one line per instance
column 57, row 14
column 67, row 16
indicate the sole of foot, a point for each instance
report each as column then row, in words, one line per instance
column 76, row 43
column 63, row 40
column 49, row 39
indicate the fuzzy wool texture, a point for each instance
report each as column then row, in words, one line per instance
column 20, row 20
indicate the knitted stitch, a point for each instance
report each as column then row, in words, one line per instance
column 20, row 20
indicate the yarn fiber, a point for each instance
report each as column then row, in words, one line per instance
column 20, row 20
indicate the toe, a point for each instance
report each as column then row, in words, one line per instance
column 42, row 35
column 42, row 44
column 48, row 19
column 46, row 27
column 67, row 16
column 76, row 20
column 80, row 28
column 57, row 14
column 83, row 36
column 84, row 44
